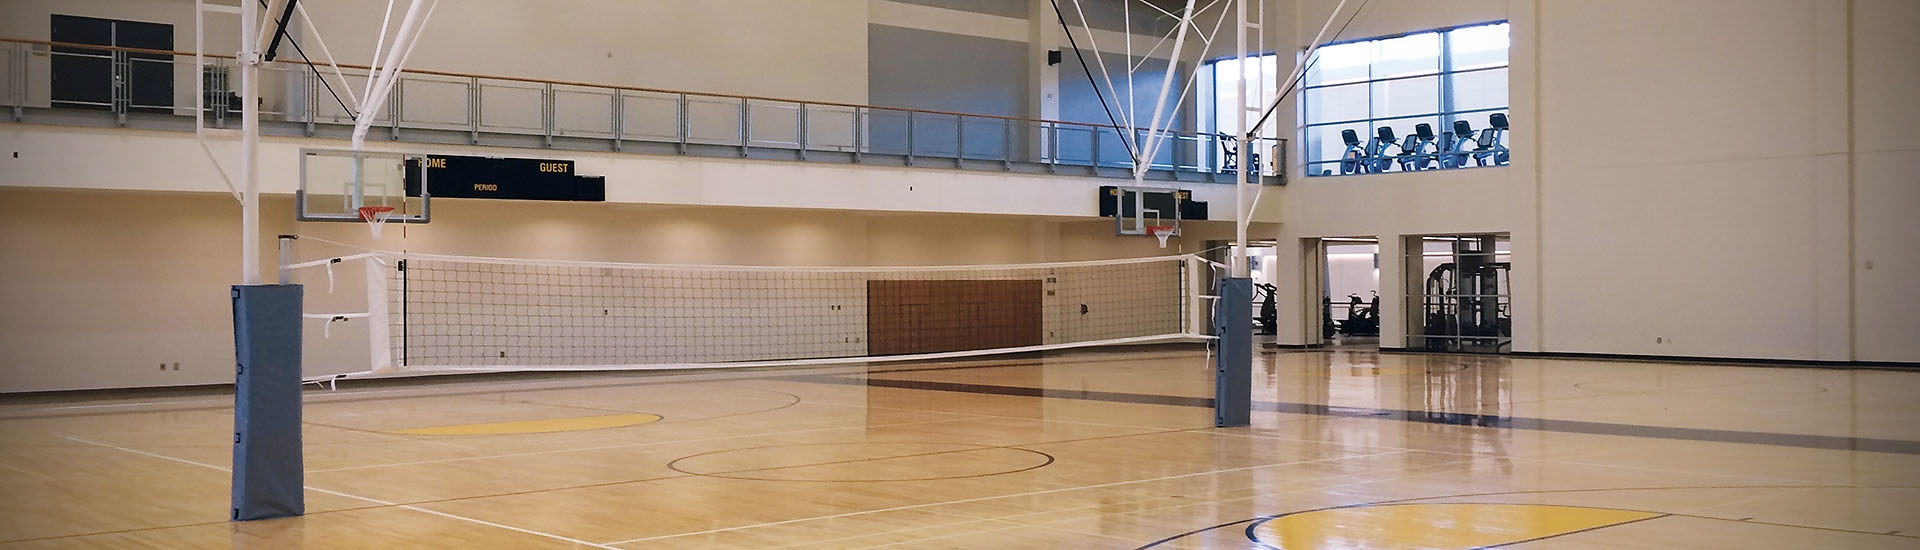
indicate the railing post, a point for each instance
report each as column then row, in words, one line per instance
column 802, row 137
column 221, row 96
column 1006, row 146
column 746, row 127
column 959, row 140
column 859, row 136
column 680, row 117
column 122, row 85
column 1213, row 154
column 1052, row 131
column 476, row 110
column 17, row 78
column 619, row 122
column 1280, row 161
column 1096, row 149
column 310, row 107
column 546, row 113
column 910, row 144
column 393, row 108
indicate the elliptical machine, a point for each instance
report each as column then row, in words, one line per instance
column 1363, row 319
column 1417, row 150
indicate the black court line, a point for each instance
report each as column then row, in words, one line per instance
column 1804, row 441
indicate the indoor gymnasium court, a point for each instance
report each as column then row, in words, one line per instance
column 839, row 274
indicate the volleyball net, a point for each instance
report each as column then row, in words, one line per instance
column 394, row 312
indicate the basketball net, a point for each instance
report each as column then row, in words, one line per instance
column 376, row 217
column 1161, row 232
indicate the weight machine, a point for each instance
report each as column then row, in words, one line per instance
column 1461, row 307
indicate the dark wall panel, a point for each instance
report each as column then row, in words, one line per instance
column 1003, row 8
column 1078, row 103
column 917, row 69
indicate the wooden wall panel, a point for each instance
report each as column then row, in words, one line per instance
column 935, row 316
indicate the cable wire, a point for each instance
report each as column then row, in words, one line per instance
column 310, row 67
column 1291, row 86
column 1090, row 82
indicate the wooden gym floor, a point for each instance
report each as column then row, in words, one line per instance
column 1348, row 449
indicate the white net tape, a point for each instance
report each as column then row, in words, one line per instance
column 453, row 313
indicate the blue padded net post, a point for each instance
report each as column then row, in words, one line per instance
column 1233, row 372
column 267, row 469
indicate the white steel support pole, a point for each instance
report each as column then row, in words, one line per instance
column 1152, row 149
column 1240, row 214
column 249, row 59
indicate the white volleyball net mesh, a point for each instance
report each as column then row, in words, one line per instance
column 427, row 313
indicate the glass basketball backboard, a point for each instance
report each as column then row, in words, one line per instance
column 335, row 184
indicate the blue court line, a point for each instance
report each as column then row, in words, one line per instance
column 1804, row 441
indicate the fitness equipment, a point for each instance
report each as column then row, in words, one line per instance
column 1487, row 149
column 1453, row 150
column 1355, row 160
column 1461, row 307
column 1269, row 317
column 1377, row 149
column 1362, row 319
column 1423, row 150
column 1417, row 150
column 1327, row 327
column 1230, row 157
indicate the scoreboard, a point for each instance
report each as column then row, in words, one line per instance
column 460, row 177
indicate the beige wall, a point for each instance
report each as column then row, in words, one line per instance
column 1886, row 180
column 1702, row 178
column 103, row 286
column 100, row 288
column 56, row 156
column 800, row 49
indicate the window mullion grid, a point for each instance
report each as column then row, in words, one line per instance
column 1448, row 108
column 1446, row 81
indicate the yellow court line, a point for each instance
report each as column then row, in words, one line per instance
column 574, row 424
column 1435, row 526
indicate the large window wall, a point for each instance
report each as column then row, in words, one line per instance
column 1434, row 78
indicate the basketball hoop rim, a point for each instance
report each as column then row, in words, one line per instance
column 375, row 213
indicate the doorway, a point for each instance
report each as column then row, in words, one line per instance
column 1347, row 291
column 1459, row 293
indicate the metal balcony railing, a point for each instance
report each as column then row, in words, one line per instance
column 446, row 107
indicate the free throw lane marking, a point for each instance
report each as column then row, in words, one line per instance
column 536, row 426
column 1435, row 526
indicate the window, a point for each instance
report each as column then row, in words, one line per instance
column 1219, row 85
column 1434, row 78
column 1225, row 83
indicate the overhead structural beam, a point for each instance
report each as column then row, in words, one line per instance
column 279, row 31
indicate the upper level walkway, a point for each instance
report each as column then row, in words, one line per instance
column 138, row 88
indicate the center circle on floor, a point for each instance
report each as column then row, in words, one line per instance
column 862, row 462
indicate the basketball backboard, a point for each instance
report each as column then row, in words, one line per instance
column 335, row 184
column 1143, row 211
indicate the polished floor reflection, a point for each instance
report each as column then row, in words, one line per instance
column 1347, row 449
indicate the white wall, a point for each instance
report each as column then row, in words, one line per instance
column 1350, row 270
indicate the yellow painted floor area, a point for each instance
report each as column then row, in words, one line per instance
column 1348, row 449
column 1438, row 526
column 550, row 425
